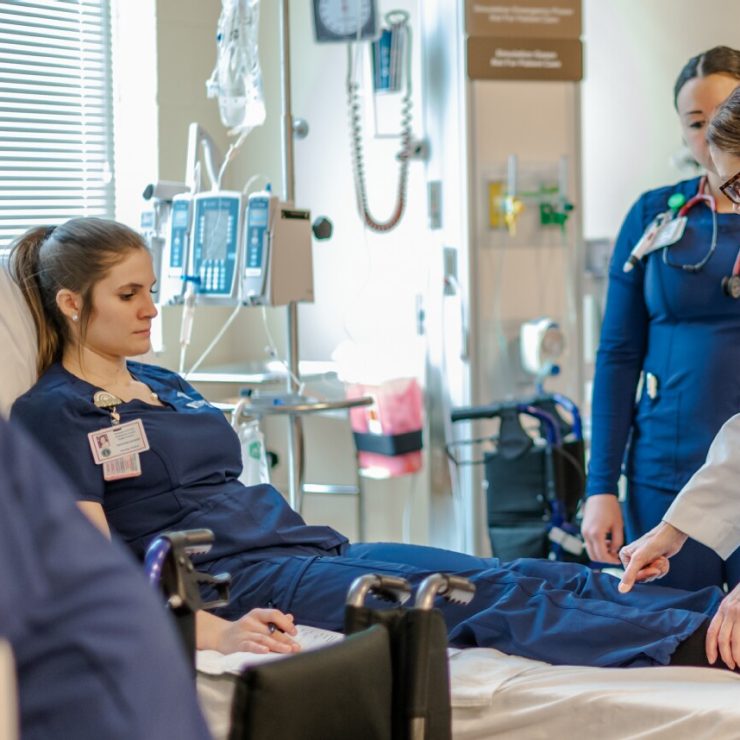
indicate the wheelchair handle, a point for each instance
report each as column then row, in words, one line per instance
column 389, row 588
column 456, row 589
column 154, row 558
column 193, row 541
column 570, row 407
column 552, row 432
column 465, row 413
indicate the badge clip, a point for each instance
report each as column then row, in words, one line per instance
column 107, row 401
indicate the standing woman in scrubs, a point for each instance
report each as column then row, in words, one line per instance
column 707, row 508
column 666, row 371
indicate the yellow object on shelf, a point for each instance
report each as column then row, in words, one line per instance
column 512, row 209
column 495, row 205
column 503, row 210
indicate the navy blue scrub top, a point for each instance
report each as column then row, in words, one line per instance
column 95, row 653
column 189, row 474
column 680, row 327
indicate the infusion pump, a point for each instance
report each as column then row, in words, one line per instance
column 278, row 264
column 177, row 250
column 257, row 252
column 215, row 254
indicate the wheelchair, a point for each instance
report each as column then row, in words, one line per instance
column 387, row 680
column 534, row 476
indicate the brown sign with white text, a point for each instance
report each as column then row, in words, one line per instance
column 524, row 59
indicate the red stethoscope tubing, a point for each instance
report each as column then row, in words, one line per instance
column 700, row 197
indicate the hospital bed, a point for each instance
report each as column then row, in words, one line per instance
column 492, row 694
column 503, row 696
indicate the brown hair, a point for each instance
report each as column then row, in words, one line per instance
column 75, row 255
column 723, row 130
column 721, row 60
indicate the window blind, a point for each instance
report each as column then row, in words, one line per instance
column 56, row 120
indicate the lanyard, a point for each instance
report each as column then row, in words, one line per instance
column 667, row 228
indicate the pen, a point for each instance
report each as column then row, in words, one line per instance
column 274, row 628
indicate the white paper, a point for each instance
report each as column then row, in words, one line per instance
column 215, row 663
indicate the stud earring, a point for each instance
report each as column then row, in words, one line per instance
column 75, row 317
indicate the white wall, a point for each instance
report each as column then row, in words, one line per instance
column 634, row 50
column 366, row 285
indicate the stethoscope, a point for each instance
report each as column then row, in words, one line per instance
column 667, row 228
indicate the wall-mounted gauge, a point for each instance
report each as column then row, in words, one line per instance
column 345, row 20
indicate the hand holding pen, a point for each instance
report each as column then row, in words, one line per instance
column 261, row 631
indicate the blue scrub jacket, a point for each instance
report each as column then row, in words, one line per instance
column 680, row 327
column 96, row 655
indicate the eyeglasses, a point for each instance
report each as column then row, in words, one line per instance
column 731, row 189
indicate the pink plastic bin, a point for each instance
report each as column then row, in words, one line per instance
column 388, row 433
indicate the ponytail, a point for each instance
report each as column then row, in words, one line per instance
column 25, row 269
column 74, row 256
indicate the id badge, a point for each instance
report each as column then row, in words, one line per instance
column 118, row 440
column 670, row 232
column 126, row 466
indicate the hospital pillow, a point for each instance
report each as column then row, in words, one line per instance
column 18, row 342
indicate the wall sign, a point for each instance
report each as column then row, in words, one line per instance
column 524, row 59
column 524, row 18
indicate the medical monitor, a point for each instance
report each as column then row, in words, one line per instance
column 216, row 239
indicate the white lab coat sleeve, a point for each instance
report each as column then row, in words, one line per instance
column 708, row 507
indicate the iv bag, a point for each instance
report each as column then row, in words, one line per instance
column 255, row 469
column 237, row 79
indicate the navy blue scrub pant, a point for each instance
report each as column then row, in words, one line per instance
column 558, row 612
column 696, row 565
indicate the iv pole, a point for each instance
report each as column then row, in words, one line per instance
column 295, row 410
column 295, row 426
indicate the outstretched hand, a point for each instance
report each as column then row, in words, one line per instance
column 723, row 635
column 646, row 558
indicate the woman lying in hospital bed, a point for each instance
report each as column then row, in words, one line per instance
column 147, row 453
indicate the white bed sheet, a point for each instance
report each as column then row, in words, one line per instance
column 503, row 696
